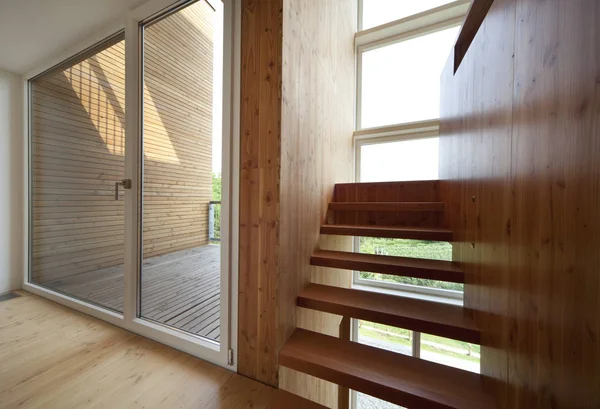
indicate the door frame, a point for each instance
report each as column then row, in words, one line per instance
column 225, row 353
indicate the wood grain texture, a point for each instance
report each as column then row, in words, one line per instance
column 396, row 378
column 519, row 150
column 444, row 320
column 55, row 358
column 316, row 152
column 78, row 148
column 260, row 141
column 418, row 191
column 392, row 232
column 402, row 266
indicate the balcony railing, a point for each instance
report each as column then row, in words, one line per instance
column 214, row 221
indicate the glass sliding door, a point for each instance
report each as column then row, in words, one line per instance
column 77, row 153
column 124, row 218
column 180, row 276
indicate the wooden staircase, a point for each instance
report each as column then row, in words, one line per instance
column 409, row 210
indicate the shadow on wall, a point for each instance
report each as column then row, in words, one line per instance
column 78, row 148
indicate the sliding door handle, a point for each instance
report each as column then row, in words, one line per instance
column 126, row 183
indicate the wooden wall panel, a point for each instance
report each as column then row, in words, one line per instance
column 519, row 153
column 260, row 141
column 78, row 122
column 296, row 143
column 316, row 153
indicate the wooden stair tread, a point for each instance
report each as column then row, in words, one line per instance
column 286, row 400
column 396, row 378
column 388, row 206
column 393, row 232
column 402, row 266
column 444, row 320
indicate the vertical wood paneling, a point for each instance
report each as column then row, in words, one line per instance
column 260, row 140
column 520, row 133
column 316, row 153
column 296, row 143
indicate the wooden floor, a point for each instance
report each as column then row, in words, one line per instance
column 180, row 289
column 54, row 357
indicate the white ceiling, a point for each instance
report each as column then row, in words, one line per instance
column 33, row 30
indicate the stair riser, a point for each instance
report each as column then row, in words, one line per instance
column 450, row 276
column 459, row 334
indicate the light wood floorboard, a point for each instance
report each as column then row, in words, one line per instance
column 54, row 357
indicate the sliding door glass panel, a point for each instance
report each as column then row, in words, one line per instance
column 180, row 274
column 401, row 82
column 77, row 116
column 377, row 12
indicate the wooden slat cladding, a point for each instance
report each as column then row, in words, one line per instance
column 519, row 149
column 178, row 89
column 78, row 148
column 419, row 191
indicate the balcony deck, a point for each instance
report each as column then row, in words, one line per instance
column 180, row 289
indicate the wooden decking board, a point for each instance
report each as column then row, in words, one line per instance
column 391, row 232
column 181, row 289
column 396, row 378
column 204, row 316
column 388, row 206
column 402, row 266
column 185, row 317
column 182, row 297
column 449, row 321
column 186, row 304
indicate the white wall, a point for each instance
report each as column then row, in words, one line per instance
column 11, row 171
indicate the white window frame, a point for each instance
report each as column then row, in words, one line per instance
column 223, row 354
column 427, row 22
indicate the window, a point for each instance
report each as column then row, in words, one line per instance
column 401, row 53
column 405, row 160
column 400, row 82
column 377, row 12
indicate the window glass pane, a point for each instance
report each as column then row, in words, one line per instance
column 400, row 161
column 385, row 337
column 450, row 352
column 78, row 153
column 181, row 270
column 401, row 82
column 393, row 339
column 377, row 12
column 433, row 250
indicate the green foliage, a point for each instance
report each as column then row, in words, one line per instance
column 216, row 196
column 433, row 250
column 216, row 186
